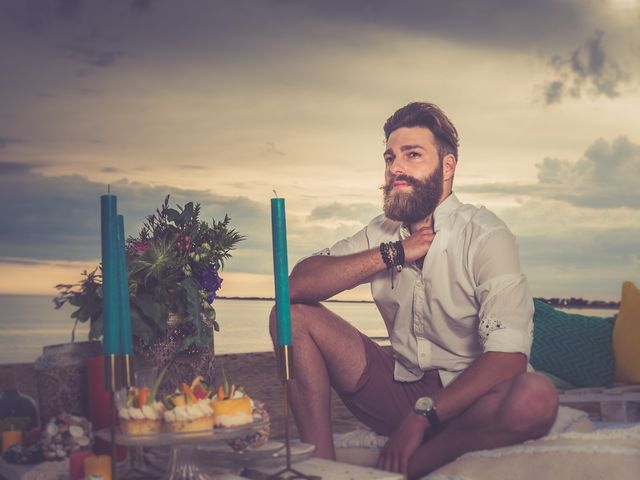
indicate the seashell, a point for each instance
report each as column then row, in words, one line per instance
column 52, row 429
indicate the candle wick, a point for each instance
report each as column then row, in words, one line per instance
column 275, row 193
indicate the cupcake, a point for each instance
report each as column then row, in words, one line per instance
column 189, row 409
column 140, row 414
column 232, row 408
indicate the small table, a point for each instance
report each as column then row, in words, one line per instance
column 327, row 469
column 330, row 470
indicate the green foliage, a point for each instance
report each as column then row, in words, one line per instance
column 173, row 266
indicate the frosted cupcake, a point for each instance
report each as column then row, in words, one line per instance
column 140, row 415
column 232, row 409
column 187, row 411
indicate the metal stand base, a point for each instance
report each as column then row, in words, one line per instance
column 288, row 473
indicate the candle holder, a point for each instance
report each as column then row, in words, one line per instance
column 288, row 473
column 118, row 374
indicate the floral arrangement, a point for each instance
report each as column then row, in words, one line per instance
column 174, row 266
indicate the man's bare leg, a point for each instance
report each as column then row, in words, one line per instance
column 513, row 411
column 326, row 351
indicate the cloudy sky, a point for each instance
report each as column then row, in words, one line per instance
column 223, row 102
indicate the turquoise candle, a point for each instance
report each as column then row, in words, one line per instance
column 281, row 270
column 110, row 294
column 126, row 344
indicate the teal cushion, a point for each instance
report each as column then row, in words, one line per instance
column 558, row 382
column 575, row 348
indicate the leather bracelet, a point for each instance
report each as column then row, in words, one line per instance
column 400, row 250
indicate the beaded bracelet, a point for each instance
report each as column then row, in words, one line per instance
column 392, row 254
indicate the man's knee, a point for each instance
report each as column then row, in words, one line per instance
column 531, row 407
column 299, row 312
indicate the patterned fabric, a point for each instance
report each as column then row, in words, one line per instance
column 488, row 325
column 575, row 348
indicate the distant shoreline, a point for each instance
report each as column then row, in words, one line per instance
column 595, row 304
column 270, row 299
column 556, row 303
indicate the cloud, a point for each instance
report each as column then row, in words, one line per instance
column 504, row 23
column 607, row 176
column 569, row 250
column 192, row 167
column 94, row 56
column 68, row 7
column 354, row 212
column 58, row 217
column 140, row 6
column 8, row 141
column 270, row 148
column 12, row 168
column 588, row 69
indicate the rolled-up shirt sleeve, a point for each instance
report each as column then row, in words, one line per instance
column 506, row 305
column 353, row 244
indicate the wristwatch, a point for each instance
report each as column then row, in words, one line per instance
column 426, row 406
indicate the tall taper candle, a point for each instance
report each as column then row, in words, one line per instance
column 126, row 344
column 281, row 270
column 110, row 293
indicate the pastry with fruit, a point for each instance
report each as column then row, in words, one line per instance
column 232, row 407
column 189, row 408
column 141, row 413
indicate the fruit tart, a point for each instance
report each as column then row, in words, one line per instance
column 231, row 406
column 141, row 413
column 189, row 408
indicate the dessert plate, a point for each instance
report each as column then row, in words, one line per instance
column 184, row 438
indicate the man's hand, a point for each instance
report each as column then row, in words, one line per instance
column 417, row 245
column 405, row 439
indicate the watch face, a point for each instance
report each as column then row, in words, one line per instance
column 424, row 404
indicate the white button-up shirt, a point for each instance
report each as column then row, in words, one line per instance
column 469, row 297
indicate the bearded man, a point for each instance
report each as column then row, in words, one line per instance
column 447, row 281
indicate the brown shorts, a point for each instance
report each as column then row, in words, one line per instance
column 379, row 401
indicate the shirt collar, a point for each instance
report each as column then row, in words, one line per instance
column 440, row 215
column 444, row 210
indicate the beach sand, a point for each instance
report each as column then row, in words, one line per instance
column 255, row 371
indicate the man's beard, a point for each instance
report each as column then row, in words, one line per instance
column 415, row 205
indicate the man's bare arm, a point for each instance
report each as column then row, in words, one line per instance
column 487, row 371
column 323, row 276
column 320, row 277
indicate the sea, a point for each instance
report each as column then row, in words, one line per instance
column 29, row 322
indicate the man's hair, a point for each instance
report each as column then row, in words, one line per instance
column 422, row 114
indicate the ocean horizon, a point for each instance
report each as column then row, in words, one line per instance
column 29, row 322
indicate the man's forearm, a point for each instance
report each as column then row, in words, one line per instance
column 483, row 374
column 320, row 277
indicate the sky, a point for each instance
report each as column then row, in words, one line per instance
column 224, row 102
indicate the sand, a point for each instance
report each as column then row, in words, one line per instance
column 255, row 371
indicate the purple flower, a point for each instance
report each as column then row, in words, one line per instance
column 211, row 282
column 140, row 246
